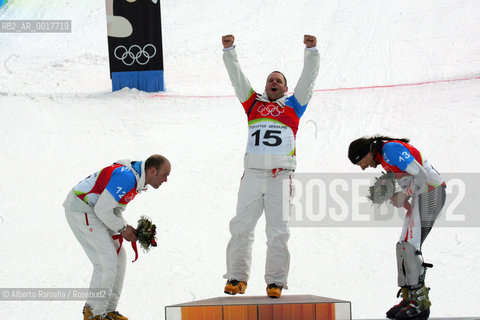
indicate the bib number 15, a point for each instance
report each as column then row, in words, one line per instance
column 271, row 138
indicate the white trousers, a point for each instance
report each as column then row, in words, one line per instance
column 425, row 210
column 108, row 266
column 418, row 223
column 412, row 227
column 260, row 190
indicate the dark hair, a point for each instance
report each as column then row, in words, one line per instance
column 156, row 161
column 285, row 78
column 361, row 147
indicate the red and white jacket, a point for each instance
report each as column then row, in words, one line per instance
column 106, row 192
column 272, row 125
column 396, row 156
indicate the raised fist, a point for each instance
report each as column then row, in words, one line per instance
column 310, row 41
column 228, row 40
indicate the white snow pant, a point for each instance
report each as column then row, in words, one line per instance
column 260, row 190
column 108, row 266
column 417, row 225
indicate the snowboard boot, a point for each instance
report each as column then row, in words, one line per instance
column 418, row 307
column 274, row 291
column 234, row 286
column 87, row 312
column 115, row 315
column 403, row 291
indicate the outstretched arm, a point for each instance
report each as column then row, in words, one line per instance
column 240, row 83
column 304, row 89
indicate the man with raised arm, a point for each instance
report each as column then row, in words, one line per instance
column 273, row 120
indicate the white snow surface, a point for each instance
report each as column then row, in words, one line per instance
column 60, row 122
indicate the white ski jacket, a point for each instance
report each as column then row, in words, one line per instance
column 272, row 125
column 107, row 192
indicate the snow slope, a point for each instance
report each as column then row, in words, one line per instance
column 60, row 122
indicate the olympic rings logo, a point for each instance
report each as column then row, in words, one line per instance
column 272, row 109
column 135, row 54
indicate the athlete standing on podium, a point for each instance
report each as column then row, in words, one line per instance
column 273, row 120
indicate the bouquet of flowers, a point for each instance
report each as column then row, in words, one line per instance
column 383, row 188
column 146, row 232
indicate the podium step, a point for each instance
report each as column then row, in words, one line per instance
column 287, row 307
